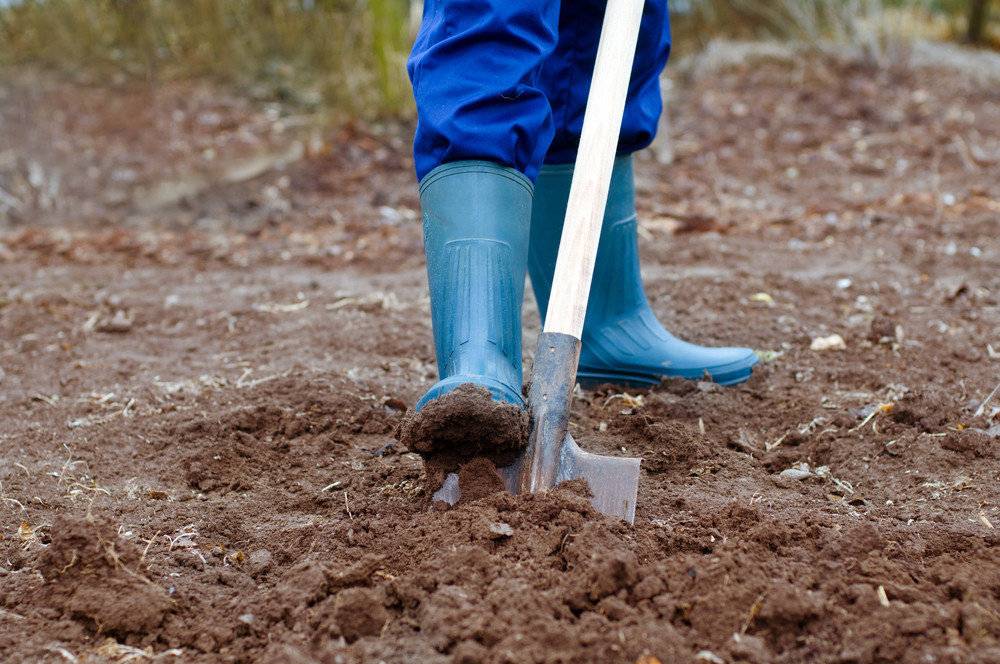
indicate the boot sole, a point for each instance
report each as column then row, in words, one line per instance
column 591, row 378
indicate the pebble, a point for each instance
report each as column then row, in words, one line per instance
column 119, row 323
column 832, row 342
column 386, row 450
column 500, row 530
column 259, row 561
column 750, row 648
column 799, row 472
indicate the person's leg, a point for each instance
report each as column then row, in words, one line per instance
column 623, row 342
column 565, row 77
column 483, row 129
column 475, row 72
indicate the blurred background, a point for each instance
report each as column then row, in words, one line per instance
column 346, row 58
column 243, row 115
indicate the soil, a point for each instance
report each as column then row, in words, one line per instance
column 202, row 365
column 465, row 419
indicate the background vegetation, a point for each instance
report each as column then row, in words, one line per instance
column 833, row 21
column 347, row 56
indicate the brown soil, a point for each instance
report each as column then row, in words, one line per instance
column 198, row 393
column 89, row 575
column 468, row 419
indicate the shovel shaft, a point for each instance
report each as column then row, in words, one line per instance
column 552, row 381
column 588, row 194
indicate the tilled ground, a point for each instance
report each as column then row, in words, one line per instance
column 200, row 378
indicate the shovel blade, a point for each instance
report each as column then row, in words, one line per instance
column 551, row 455
column 613, row 481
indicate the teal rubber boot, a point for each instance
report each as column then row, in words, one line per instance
column 623, row 342
column 476, row 216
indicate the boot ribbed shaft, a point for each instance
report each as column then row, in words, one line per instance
column 476, row 218
column 479, row 316
column 616, row 271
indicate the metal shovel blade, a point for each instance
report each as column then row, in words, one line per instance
column 552, row 456
column 613, row 481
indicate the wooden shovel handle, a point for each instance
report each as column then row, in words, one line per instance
column 588, row 194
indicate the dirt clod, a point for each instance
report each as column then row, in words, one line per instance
column 358, row 612
column 465, row 419
column 94, row 576
column 478, row 478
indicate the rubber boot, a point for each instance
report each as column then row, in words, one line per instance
column 623, row 342
column 476, row 216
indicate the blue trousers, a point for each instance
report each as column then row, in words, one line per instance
column 507, row 80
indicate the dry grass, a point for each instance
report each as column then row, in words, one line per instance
column 346, row 55
column 876, row 26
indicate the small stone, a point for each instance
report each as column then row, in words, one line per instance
column 799, row 472
column 259, row 561
column 386, row 450
column 500, row 530
column 118, row 324
column 750, row 648
column 832, row 342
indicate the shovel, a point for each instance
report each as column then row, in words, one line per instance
column 552, row 456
